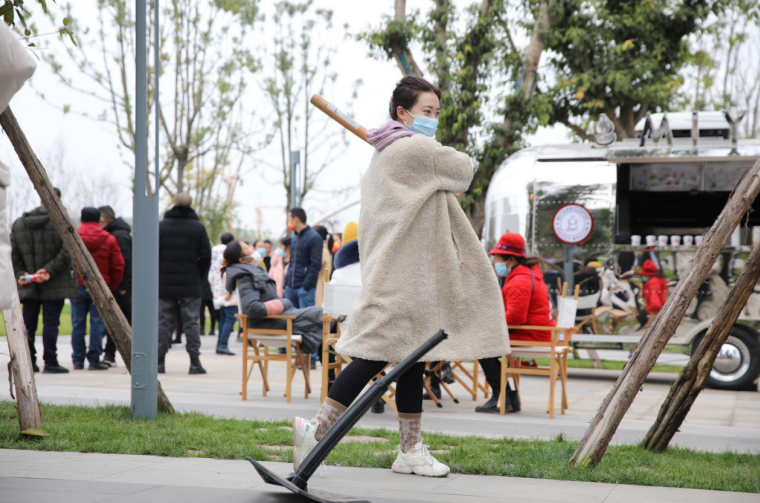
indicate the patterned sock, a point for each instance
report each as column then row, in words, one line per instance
column 410, row 430
column 327, row 416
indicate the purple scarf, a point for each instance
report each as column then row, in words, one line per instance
column 387, row 134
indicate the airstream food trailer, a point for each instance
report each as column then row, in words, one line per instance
column 653, row 197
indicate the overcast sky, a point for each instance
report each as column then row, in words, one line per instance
column 92, row 151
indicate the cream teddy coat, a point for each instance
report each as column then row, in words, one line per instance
column 422, row 265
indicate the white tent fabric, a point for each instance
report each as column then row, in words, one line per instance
column 16, row 67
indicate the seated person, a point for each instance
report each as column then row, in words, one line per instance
column 526, row 302
column 347, row 269
column 258, row 297
column 655, row 289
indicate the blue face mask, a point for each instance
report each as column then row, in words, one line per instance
column 423, row 125
column 502, row 269
column 280, row 252
column 262, row 251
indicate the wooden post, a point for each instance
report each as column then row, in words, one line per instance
column 599, row 434
column 692, row 379
column 114, row 319
column 20, row 368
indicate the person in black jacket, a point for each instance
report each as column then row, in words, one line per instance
column 305, row 261
column 121, row 230
column 184, row 258
column 37, row 249
column 258, row 297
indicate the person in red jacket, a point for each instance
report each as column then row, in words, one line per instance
column 107, row 255
column 526, row 302
column 655, row 289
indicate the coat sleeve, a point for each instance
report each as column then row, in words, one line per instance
column 517, row 300
column 652, row 297
column 250, row 298
column 125, row 246
column 19, row 267
column 59, row 264
column 204, row 255
column 116, row 263
column 316, row 246
column 453, row 169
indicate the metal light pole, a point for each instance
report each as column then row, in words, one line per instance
column 295, row 162
column 145, row 256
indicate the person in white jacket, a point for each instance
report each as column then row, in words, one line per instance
column 225, row 302
column 16, row 67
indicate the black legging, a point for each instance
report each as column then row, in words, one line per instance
column 492, row 369
column 212, row 314
column 354, row 378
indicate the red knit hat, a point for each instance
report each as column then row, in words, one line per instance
column 510, row 243
column 649, row 268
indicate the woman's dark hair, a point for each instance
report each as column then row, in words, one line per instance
column 232, row 255
column 285, row 242
column 226, row 238
column 407, row 91
column 321, row 230
column 528, row 261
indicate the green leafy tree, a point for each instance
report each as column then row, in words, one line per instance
column 13, row 11
column 623, row 59
column 488, row 101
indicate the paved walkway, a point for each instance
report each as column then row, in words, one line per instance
column 63, row 477
column 719, row 420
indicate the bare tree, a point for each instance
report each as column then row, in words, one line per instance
column 299, row 65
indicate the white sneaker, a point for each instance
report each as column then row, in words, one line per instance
column 304, row 440
column 419, row 461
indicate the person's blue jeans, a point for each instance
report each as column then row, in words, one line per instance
column 300, row 297
column 226, row 323
column 79, row 309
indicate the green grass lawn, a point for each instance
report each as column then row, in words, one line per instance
column 65, row 326
column 608, row 365
column 110, row 429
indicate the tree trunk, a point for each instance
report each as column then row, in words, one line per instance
column 20, row 366
column 594, row 443
column 536, row 48
column 403, row 55
column 691, row 381
column 114, row 319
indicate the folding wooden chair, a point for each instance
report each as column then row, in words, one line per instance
column 338, row 302
column 557, row 350
column 256, row 345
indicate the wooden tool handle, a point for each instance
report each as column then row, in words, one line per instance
column 343, row 119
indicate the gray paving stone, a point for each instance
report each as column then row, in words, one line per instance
column 629, row 494
column 32, row 496
column 525, row 489
column 67, row 486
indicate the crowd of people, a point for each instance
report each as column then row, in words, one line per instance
column 197, row 282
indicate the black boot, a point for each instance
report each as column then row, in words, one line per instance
column 513, row 401
column 447, row 374
column 435, row 387
column 196, row 367
column 492, row 405
column 161, row 365
column 378, row 407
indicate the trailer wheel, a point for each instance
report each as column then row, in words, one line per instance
column 738, row 363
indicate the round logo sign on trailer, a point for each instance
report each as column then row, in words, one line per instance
column 572, row 224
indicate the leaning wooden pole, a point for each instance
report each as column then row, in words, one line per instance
column 691, row 381
column 114, row 319
column 20, row 368
column 592, row 447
